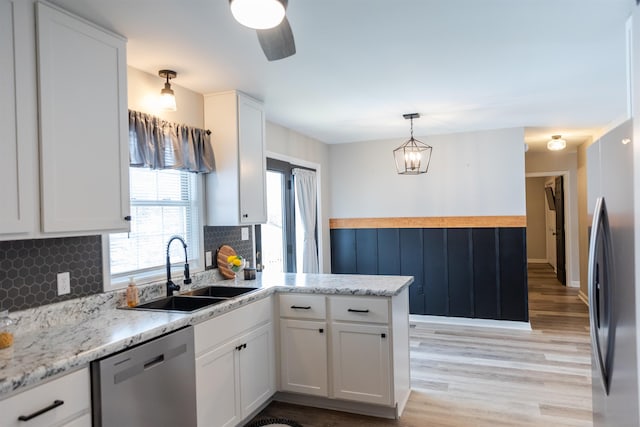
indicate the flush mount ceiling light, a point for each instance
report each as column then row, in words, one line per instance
column 556, row 143
column 412, row 157
column 258, row 14
column 167, row 97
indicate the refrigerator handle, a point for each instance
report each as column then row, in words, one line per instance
column 594, row 272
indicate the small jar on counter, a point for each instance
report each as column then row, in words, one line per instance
column 6, row 330
column 132, row 293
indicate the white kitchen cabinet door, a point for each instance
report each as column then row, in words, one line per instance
column 253, row 206
column 236, row 190
column 256, row 366
column 303, row 357
column 361, row 362
column 17, row 119
column 217, row 387
column 84, row 149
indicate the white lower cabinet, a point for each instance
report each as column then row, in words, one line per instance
column 235, row 364
column 256, row 368
column 349, row 352
column 62, row 402
column 303, row 357
column 361, row 362
column 218, row 387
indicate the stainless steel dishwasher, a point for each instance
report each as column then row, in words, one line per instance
column 150, row 385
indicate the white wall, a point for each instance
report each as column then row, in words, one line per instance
column 144, row 96
column 552, row 163
column 471, row 174
column 290, row 145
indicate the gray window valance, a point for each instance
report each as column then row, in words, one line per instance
column 159, row 144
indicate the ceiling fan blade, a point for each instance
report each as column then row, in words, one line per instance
column 277, row 43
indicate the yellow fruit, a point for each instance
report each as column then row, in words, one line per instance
column 237, row 262
column 230, row 258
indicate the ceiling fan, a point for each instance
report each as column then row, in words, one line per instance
column 268, row 18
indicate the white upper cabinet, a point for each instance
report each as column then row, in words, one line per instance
column 84, row 152
column 17, row 120
column 236, row 190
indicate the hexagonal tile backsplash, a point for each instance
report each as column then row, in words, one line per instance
column 29, row 269
column 214, row 237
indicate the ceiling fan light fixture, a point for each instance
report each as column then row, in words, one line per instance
column 167, row 96
column 556, row 143
column 258, row 14
column 412, row 157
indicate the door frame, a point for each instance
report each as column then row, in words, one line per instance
column 568, row 224
column 320, row 223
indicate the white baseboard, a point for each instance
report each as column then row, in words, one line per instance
column 573, row 284
column 583, row 297
column 464, row 321
column 537, row 261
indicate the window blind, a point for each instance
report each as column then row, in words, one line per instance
column 163, row 204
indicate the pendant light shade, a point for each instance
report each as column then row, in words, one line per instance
column 258, row 14
column 167, row 97
column 556, row 143
column 412, row 157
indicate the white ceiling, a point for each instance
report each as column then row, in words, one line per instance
column 552, row 66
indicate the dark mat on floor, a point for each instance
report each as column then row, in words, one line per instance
column 273, row 422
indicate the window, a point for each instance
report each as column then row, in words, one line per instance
column 163, row 203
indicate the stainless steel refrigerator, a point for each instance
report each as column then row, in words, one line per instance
column 611, row 279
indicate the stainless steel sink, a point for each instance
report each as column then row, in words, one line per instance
column 184, row 304
column 219, row 292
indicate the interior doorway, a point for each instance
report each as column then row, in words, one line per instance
column 555, row 226
column 548, row 222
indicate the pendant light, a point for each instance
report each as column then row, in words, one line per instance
column 167, row 97
column 258, row 14
column 412, row 157
column 556, row 143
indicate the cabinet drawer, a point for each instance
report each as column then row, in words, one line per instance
column 213, row 332
column 359, row 309
column 72, row 389
column 303, row 306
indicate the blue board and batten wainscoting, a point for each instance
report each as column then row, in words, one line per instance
column 474, row 271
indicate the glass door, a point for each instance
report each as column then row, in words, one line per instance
column 279, row 241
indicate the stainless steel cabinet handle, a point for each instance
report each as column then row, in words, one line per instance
column 54, row 405
column 353, row 310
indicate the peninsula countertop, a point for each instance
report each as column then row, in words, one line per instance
column 44, row 353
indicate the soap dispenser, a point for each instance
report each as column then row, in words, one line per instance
column 132, row 293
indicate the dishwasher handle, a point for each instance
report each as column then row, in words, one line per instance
column 153, row 362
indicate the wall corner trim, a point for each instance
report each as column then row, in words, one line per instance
column 583, row 297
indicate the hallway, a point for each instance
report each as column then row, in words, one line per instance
column 481, row 377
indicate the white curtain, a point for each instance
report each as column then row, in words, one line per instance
column 306, row 198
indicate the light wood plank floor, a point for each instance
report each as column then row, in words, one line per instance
column 476, row 376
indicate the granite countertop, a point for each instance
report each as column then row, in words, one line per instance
column 102, row 329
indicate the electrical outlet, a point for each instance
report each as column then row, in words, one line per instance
column 64, row 283
column 207, row 259
column 245, row 233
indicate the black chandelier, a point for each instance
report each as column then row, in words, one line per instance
column 412, row 157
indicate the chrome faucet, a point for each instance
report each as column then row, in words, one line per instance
column 171, row 287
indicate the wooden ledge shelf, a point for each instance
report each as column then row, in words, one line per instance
column 430, row 222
